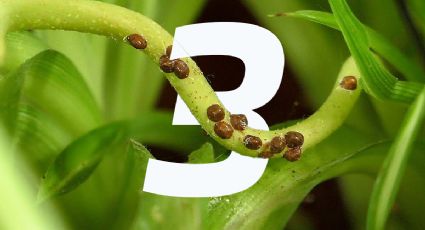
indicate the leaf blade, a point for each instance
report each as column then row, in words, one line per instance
column 377, row 80
column 78, row 160
column 388, row 180
column 378, row 43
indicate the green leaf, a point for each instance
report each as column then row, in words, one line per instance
column 417, row 9
column 205, row 154
column 50, row 83
column 377, row 80
column 273, row 199
column 131, row 177
column 378, row 43
column 16, row 195
column 85, row 51
column 388, row 181
column 162, row 212
column 20, row 46
column 39, row 138
column 78, row 160
column 45, row 103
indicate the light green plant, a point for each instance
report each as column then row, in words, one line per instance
column 81, row 135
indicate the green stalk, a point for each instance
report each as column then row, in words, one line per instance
column 117, row 22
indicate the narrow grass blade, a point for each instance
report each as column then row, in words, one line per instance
column 388, row 181
column 377, row 81
column 378, row 43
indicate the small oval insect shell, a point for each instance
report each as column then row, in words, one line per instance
column 168, row 51
column 215, row 113
column 277, row 144
column 293, row 154
column 252, row 142
column 166, row 64
column 181, row 70
column 137, row 41
column 349, row 83
column 238, row 121
column 265, row 154
column 223, row 130
column 294, row 139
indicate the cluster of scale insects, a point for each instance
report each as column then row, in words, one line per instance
column 179, row 67
column 292, row 141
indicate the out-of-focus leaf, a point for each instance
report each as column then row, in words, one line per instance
column 378, row 43
column 417, row 9
column 20, row 46
column 80, row 158
column 44, row 104
column 50, row 82
column 86, row 51
column 18, row 210
column 77, row 162
column 39, row 137
column 163, row 212
column 409, row 206
column 205, row 154
column 388, row 181
column 376, row 79
column 132, row 174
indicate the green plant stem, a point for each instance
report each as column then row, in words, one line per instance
column 117, row 22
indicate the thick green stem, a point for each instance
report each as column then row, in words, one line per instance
column 117, row 22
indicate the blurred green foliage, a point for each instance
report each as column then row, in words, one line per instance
column 86, row 104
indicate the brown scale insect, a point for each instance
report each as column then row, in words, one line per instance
column 277, row 144
column 215, row 113
column 349, row 83
column 292, row 154
column 137, row 41
column 166, row 64
column 181, row 70
column 294, row 139
column 238, row 121
column 252, row 142
column 265, row 154
column 168, row 51
column 223, row 130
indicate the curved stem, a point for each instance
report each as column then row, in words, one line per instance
column 117, row 22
